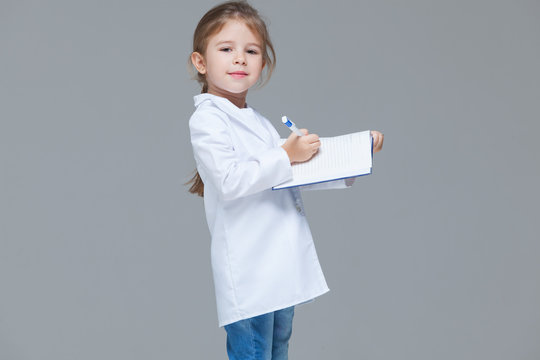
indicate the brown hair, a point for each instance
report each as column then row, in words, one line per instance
column 210, row 24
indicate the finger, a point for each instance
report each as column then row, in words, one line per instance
column 380, row 142
column 311, row 138
column 379, row 146
column 378, row 139
column 305, row 131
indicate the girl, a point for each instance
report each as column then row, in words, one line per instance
column 263, row 257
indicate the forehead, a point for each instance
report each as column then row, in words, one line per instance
column 234, row 31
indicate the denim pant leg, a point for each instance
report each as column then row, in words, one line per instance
column 283, row 320
column 263, row 337
column 251, row 339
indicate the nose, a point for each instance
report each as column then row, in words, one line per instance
column 240, row 58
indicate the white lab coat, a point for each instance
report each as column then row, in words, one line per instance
column 262, row 253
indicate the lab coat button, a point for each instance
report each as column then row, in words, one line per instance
column 298, row 208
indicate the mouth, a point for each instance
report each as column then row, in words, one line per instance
column 238, row 74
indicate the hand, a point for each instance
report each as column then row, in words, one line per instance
column 378, row 139
column 301, row 148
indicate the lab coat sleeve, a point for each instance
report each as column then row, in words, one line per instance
column 219, row 163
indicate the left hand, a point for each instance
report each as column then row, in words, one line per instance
column 378, row 139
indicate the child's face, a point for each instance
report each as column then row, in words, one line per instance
column 233, row 61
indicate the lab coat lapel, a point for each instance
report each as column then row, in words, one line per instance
column 274, row 136
column 251, row 124
column 244, row 119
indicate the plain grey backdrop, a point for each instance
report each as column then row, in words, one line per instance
column 436, row 255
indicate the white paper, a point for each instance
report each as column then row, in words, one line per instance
column 338, row 157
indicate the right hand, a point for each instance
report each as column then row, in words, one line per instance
column 301, row 148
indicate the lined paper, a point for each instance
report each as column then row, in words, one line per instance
column 338, row 157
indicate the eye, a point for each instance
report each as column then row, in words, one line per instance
column 225, row 49
column 252, row 52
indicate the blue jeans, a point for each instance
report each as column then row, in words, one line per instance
column 263, row 337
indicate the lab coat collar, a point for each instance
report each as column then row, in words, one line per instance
column 221, row 102
column 244, row 116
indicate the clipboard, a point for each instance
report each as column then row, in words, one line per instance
column 339, row 157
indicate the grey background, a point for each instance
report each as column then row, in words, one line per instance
column 104, row 255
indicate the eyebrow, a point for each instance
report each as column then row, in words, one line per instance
column 230, row 42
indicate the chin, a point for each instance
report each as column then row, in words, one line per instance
column 240, row 89
column 237, row 91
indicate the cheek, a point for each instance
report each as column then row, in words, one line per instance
column 213, row 68
column 258, row 64
column 215, row 61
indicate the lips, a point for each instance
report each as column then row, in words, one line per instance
column 238, row 74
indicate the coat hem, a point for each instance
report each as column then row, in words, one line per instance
column 275, row 308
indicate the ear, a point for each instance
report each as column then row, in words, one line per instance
column 198, row 61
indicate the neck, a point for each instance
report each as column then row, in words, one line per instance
column 237, row 99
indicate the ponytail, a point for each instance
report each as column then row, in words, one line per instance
column 197, row 185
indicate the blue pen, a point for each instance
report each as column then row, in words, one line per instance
column 291, row 126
